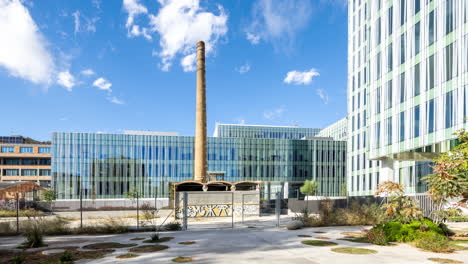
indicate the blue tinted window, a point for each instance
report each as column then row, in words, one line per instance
column 26, row 150
column 416, row 121
column 8, row 149
column 44, row 150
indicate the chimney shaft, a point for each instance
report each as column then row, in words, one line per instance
column 200, row 166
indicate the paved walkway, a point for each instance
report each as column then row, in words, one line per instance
column 251, row 245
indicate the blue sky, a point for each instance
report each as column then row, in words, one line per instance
column 95, row 65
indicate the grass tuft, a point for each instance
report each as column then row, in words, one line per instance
column 354, row 251
column 187, row 242
column 319, row 243
column 443, row 260
column 182, row 259
column 108, row 245
column 127, row 256
column 148, row 248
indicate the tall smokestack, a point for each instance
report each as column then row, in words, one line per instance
column 200, row 166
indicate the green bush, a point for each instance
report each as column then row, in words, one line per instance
column 154, row 237
column 434, row 242
column 66, row 258
column 377, row 236
column 34, row 236
column 398, row 232
column 173, row 226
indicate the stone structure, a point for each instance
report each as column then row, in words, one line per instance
column 200, row 168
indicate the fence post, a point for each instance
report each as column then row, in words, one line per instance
column 17, row 213
column 232, row 211
column 138, row 211
column 185, row 204
column 242, row 208
column 277, row 209
column 81, row 207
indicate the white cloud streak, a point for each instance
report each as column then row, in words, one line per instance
column 133, row 8
column 298, row 78
column 87, row 72
column 23, row 49
column 244, row 68
column 323, row 95
column 274, row 114
column 66, row 80
column 115, row 100
column 278, row 21
column 88, row 26
column 102, row 84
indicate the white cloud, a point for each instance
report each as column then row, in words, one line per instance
column 296, row 77
column 115, row 100
column 90, row 23
column 23, row 49
column 66, row 80
column 87, row 72
column 76, row 19
column 102, row 84
column 323, row 95
column 133, row 8
column 136, row 32
column 254, row 39
column 180, row 24
column 274, row 114
column 244, row 68
column 278, row 21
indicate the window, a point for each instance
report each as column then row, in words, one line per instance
column 389, row 94
column 402, row 12
column 417, row 6
column 417, row 81
column 430, row 117
column 390, row 20
column 390, row 58
column 430, row 72
column 379, row 31
column 449, row 111
column 28, row 172
column 11, row 162
column 44, row 150
column 402, row 126
column 431, row 34
column 379, row 66
column 26, row 150
column 389, row 131
column 10, row 172
column 416, row 121
column 449, row 17
column 377, row 134
column 8, row 149
column 402, row 49
column 449, row 62
column 28, row 162
column 44, row 172
column 417, row 38
column 378, row 95
column 402, row 87
column 46, row 161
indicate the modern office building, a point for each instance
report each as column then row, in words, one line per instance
column 337, row 130
column 109, row 165
column 23, row 159
column 258, row 131
column 407, row 88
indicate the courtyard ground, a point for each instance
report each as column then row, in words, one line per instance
column 250, row 245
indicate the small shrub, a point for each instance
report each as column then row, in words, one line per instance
column 154, row 237
column 377, row 236
column 18, row 259
column 34, row 236
column 173, row 226
column 433, row 242
column 66, row 257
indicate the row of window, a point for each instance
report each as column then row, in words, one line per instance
column 20, row 161
column 25, row 150
column 26, row 172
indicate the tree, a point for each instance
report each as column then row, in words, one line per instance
column 450, row 177
column 399, row 206
column 309, row 188
column 49, row 195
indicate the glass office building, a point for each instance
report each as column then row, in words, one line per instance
column 257, row 131
column 407, row 88
column 337, row 130
column 109, row 165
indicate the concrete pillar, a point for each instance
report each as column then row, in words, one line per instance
column 387, row 172
column 200, row 163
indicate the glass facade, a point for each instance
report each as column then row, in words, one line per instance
column 109, row 165
column 418, row 51
column 253, row 131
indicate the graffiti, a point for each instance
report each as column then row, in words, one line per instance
column 217, row 210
